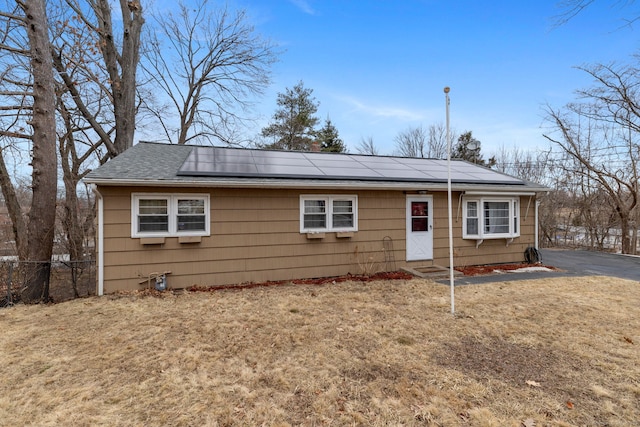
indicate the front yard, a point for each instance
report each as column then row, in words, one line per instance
column 558, row 352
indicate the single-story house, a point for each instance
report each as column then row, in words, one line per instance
column 219, row 216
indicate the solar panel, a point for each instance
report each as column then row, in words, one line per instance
column 234, row 162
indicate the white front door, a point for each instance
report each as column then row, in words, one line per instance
column 419, row 228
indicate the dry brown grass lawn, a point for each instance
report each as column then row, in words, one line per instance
column 369, row 354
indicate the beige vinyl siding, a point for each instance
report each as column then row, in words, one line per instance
column 255, row 237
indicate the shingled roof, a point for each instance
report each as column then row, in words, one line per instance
column 156, row 164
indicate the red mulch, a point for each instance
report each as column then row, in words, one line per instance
column 477, row 270
column 393, row 275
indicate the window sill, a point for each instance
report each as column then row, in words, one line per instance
column 479, row 240
column 344, row 234
column 314, row 236
column 189, row 239
column 152, row 240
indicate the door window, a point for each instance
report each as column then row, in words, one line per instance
column 419, row 216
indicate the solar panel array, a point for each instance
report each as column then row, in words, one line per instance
column 233, row 162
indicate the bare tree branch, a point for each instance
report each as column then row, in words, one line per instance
column 105, row 138
column 601, row 136
column 367, row 146
column 570, row 9
column 210, row 65
column 12, row 16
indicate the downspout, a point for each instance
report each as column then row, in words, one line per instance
column 536, row 221
column 100, row 242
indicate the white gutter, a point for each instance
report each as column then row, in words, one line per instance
column 100, row 242
column 499, row 193
column 484, row 189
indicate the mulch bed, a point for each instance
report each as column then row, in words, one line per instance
column 391, row 275
column 478, row 270
column 151, row 291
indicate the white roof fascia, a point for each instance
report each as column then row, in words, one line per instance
column 325, row 184
column 498, row 193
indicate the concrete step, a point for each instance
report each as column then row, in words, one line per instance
column 430, row 272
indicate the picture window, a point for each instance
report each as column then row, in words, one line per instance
column 490, row 218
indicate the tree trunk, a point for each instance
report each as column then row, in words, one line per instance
column 634, row 233
column 122, row 67
column 42, row 215
column 624, row 232
column 14, row 209
column 72, row 220
column 73, row 229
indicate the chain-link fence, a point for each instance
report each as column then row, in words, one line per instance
column 67, row 280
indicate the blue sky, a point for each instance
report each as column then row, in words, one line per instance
column 379, row 67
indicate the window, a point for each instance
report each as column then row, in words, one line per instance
column 315, row 214
column 472, row 218
column 153, row 215
column 191, row 215
column 328, row 213
column 496, row 217
column 419, row 216
column 490, row 218
column 162, row 215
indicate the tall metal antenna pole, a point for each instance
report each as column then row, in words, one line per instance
column 451, row 279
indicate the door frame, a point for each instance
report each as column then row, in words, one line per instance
column 429, row 233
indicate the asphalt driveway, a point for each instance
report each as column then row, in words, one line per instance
column 580, row 262
column 570, row 263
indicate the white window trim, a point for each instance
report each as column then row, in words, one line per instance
column 514, row 213
column 329, row 199
column 172, row 205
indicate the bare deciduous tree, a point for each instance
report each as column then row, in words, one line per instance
column 35, row 112
column 421, row 142
column 95, row 63
column 438, row 140
column 210, row 65
column 557, row 207
column 15, row 112
column 367, row 146
column 88, row 104
column 76, row 148
column 412, row 142
column 535, row 166
column 120, row 50
column 601, row 135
